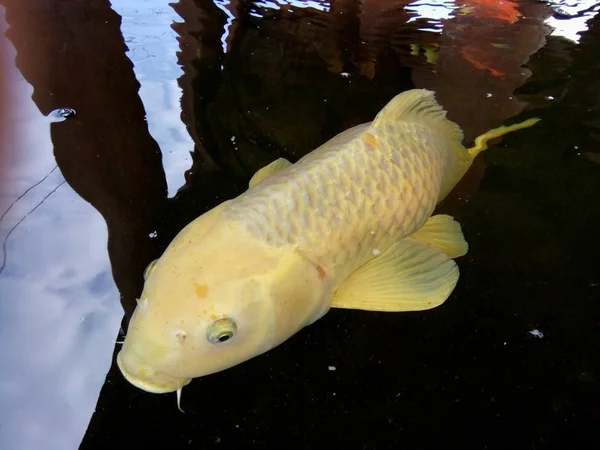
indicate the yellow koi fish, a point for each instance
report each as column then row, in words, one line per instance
column 347, row 226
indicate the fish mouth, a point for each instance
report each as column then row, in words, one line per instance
column 153, row 385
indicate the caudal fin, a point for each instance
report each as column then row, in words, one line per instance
column 481, row 142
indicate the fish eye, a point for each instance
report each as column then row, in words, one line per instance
column 221, row 330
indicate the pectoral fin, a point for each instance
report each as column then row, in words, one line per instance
column 444, row 233
column 267, row 171
column 409, row 276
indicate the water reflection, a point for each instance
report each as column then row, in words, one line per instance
column 262, row 102
column 434, row 12
column 60, row 307
column 152, row 47
column 58, row 310
column 180, row 104
column 571, row 18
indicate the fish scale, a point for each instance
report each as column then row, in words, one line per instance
column 329, row 202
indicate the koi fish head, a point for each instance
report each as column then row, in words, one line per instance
column 212, row 303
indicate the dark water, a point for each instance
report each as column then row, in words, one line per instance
column 177, row 105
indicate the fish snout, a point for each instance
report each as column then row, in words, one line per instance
column 144, row 377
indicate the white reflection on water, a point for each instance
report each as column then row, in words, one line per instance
column 153, row 48
column 435, row 12
column 320, row 5
column 59, row 307
column 223, row 5
column 571, row 27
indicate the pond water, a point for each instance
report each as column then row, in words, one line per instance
column 171, row 107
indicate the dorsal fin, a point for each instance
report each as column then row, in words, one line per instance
column 270, row 169
column 419, row 105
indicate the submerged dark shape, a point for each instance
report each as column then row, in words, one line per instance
column 104, row 151
column 254, row 107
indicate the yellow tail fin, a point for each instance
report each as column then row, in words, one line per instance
column 481, row 143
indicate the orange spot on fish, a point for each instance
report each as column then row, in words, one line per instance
column 201, row 290
column 370, row 141
column 322, row 272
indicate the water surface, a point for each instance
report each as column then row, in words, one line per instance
column 178, row 104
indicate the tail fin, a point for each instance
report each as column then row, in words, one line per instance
column 481, row 142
